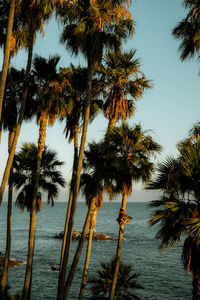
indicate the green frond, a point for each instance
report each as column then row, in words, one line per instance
column 188, row 31
column 126, row 282
column 193, row 225
column 82, row 34
column 24, row 174
column 125, row 83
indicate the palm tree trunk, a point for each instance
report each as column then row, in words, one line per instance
column 78, row 251
column 196, row 287
column 119, row 249
column 7, row 53
column 68, row 210
column 77, row 183
column 8, row 237
column 41, row 143
column 111, row 124
column 21, row 116
column 70, row 195
column 9, row 214
column 89, row 248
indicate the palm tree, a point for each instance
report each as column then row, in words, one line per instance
column 97, row 164
column 126, row 282
column 6, row 53
column 11, row 107
column 188, row 30
column 19, row 35
column 50, row 105
column 84, row 33
column 99, row 173
column 34, row 16
column 50, row 179
column 24, row 175
column 92, row 185
column 125, row 83
column 177, row 211
column 92, row 223
column 134, row 149
column 76, row 85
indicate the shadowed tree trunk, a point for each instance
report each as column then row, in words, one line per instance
column 41, row 144
column 9, row 214
column 21, row 116
column 70, row 195
column 119, row 246
column 78, row 251
column 89, row 248
column 7, row 53
column 60, row 295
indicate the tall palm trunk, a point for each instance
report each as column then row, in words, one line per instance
column 78, row 250
column 89, row 248
column 119, row 248
column 70, row 194
column 76, row 183
column 7, row 53
column 196, row 287
column 41, row 143
column 9, row 214
column 111, row 124
column 21, row 116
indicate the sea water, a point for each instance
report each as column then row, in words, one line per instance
column 161, row 273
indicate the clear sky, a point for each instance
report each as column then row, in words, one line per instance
column 169, row 109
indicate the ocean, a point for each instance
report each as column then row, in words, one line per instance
column 161, row 272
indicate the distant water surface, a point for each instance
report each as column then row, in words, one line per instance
column 162, row 273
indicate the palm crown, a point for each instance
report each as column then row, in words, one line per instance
column 134, row 148
column 177, row 212
column 24, row 175
column 188, row 30
column 49, row 97
column 124, row 84
column 89, row 29
column 126, row 283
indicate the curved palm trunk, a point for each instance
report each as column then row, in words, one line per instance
column 89, row 248
column 9, row 214
column 70, row 195
column 41, row 143
column 78, row 251
column 60, row 295
column 196, row 287
column 21, row 116
column 7, row 53
column 119, row 249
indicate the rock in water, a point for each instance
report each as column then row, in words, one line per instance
column 77, row 235
column 11, row 264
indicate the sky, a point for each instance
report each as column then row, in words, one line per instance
column 169, row 109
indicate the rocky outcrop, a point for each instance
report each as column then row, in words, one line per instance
column 77, row 235
column 11, row 264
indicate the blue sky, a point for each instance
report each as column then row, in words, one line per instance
column 169, row 109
